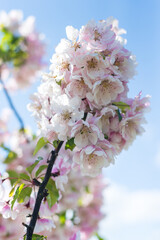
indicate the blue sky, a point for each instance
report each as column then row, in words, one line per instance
column 138, row 169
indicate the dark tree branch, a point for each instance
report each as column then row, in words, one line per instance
column 12, row 106
column 42, row 192
column 56, row 174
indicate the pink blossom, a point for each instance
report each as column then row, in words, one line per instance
column 86, row 132
column 97, row 36
column 44, row 224
column 72, row 33
column 105, row 91
column 106, row 115
column 62, row 167
column 75, row 236
column 93, row 66
column 2, row 190
column 91, row 159
column 77, row 87
column 130, row 127
column 6, row 211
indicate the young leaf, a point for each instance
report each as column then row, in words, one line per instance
column 53, row 193
column 31, row 167
column 13, row 175
column 34, row 136
column 10, row 157
column 59, row 82
column 24, row 176
column 122, row 106
column 98, row 237
column 40, row 169
column 26, row 192
column 87, row 189
column 12, row 191
column 41, row 143
column 104, row 57
column 55, row 143
column 36, row 237
column 5, row 148
column 62, row 217
column 16, row 195
column 70, row 144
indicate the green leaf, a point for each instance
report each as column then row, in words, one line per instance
column 34, row 137
column 31, row 167
column 70, row 144
column 87, row 189
column 13, row 174
column 11, row 48
column 98, row 237
column 36, row 237
column 10, row 157
column 11, row 154
column 53, row 193
column 104, row 57
column 80, row 202
column 119, row 115
column 5, row 148
column 62, row 217
column 24, row 176
column 59, row 82
column 16, row 195
column 26, row 192
column 12, row 191
column 56, row 143
column 40, row 169
column 122, row 106
column 105, row 136
column 41, row 143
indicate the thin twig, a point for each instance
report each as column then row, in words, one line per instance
column 42, row 192
column 12, row 106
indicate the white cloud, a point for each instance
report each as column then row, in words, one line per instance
column 131, row 214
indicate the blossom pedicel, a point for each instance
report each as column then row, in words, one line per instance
column 84, row 98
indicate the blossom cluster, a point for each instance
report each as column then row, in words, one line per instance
column 79, row 208
column 84, row 97
column 80, row 198
column 28, row 50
